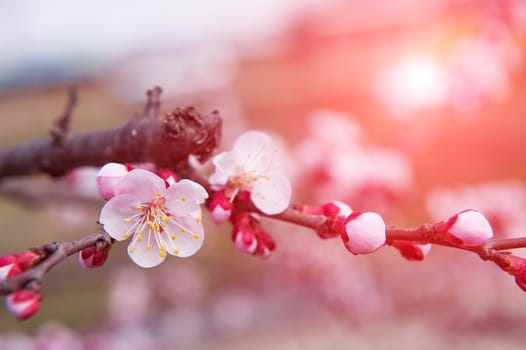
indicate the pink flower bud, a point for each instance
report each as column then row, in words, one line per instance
column 245, row 242
column 336, row 208
column 91, row 258
column 108, row 177
column 13, row 264
column 167, row 175
column 23, row 303
column 250, row 238
column 220, row 208
column 412, row 250
column 9, row 270
column 363, row 233
column 471, row 227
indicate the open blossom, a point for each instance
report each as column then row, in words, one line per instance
column 159, row 220
column 251, row 167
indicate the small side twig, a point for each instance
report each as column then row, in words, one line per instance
column 51, row 255
column 61, row 129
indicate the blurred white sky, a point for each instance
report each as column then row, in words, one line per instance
column 102, row 30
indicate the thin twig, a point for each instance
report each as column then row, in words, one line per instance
column 52, row 254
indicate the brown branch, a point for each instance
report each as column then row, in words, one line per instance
column 166, row 142
column 51, row 255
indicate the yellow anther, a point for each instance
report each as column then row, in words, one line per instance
column 127, row 220
column 139, row 238
column 172, row 237
column 175, row 251
column 126, row 235
column 139, row 207
column 183, row 199
column 196, row 236
column 198, row 219
column 149, row 223
column 162, row 254
column 138, row 232
column 149, row 247
column 132, row 249
column 183, row 229
column 163, row 247
column 165, row 219
column 158, row 194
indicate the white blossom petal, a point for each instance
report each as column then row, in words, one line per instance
column 189, row 236
column 271, row 193
column 114, row 213
column 141, row 183
column 253, row 150
column 184, row 197
column 144, row 257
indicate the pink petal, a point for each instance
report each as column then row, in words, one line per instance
column 107, row 178
column 271, row 194
column 365, row 233
column 115, row 211
column 472, row 228
column 144, row 257
column 185, row 197
column 141, row 183
column 185, row 242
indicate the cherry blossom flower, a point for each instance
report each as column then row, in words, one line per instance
column 251, row 167
column 364, row 233
column 160, row 220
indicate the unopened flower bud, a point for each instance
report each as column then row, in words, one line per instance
column 9, row 270
column 363, row 233
column 108, row 177
column 91, row 258
column 220, row 207
column 471, row 227
column 245, row 242
column 13, row 264
column 167, row 175
column 23, row 303
column 412, row 250
column 336, row 208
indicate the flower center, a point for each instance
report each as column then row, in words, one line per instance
column 242, row 182
column 152, row 223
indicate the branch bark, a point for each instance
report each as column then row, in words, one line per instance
column 166, row 141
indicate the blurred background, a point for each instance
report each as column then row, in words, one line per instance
column 414, row 109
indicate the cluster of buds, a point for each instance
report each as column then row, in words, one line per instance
column 249, row 237
column 22, row 303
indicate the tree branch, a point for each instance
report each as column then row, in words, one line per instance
column 167, row 142
column 51, row 255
